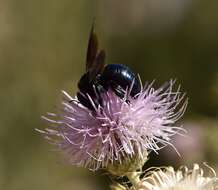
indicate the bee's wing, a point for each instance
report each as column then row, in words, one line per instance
column 92, row 49
column 95, row 59
column 98, row 65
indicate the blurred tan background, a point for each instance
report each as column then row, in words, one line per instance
column 42, row 51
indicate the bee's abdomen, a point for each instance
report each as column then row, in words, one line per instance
column 118, row 75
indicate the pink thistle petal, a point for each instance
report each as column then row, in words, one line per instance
column 119, row 129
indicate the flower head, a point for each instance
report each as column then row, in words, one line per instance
column 182, row 179
column 119, row 129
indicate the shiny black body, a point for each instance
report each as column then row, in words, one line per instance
column 119, row 78
column 99, row 77
column 114, row 76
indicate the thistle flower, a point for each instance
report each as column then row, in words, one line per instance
column 182, row 179
column 118, row 130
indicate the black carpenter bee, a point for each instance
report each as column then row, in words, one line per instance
column 100, row 77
